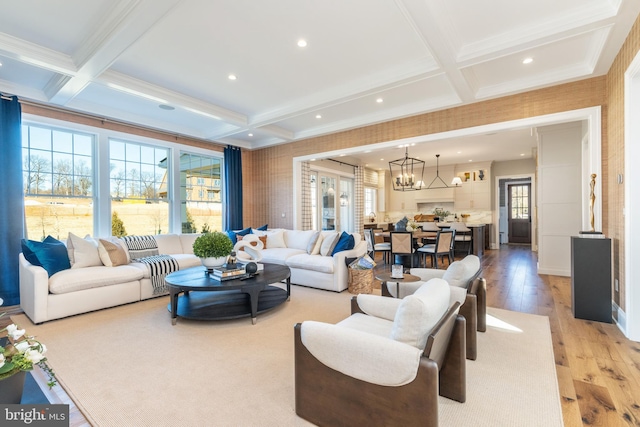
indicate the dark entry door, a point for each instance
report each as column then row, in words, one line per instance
column 520, row 213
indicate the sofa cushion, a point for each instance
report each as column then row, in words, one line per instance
column 51, row 254
column 186, row 241
column 111, row 254
column 345, row 243
column 184, row 261
column 73, row 280
column 169, row 244
column 304, row 261
column 298, row 239
column 82, row 252
column 279, row 255
column 328, row 243
column 275, row 239
column 371, row 324
column 456, row 275
column 420, row 312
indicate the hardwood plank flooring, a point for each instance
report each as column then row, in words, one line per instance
column 598, row 369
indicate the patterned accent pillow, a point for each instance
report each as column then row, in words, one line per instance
column 111, row 254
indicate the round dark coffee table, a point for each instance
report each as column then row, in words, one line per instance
column 205, row 298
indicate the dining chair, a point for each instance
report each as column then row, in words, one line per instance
column 463, row 236
column 432, row 229
column 441, row 248
column 379, row 245
column 368, row 238
column 402, row 244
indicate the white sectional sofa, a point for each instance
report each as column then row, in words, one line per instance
column 80, row 290
column 308, row 268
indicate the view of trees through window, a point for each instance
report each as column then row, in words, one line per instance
column 138, row 186
column 60, row 176
column 200, row 193
column 57, row 167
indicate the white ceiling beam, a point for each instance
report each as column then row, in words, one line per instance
column 125, row 23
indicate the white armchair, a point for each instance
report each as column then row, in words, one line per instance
column 466, row 286
column 389, row 359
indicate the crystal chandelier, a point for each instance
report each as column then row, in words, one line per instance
column 407, row 173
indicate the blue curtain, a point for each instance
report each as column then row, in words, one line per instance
column 233, row 188
column 11, row 199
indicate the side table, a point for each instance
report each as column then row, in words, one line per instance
column 385, row 276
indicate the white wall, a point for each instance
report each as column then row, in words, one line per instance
column 560, row 195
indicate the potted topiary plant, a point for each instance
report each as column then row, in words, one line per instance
column 212, row 248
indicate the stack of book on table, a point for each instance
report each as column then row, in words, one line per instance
column 224, row 273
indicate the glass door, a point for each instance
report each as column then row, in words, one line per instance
column 328, row 201
column 347, row 212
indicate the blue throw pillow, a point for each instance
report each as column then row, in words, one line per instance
column 234, row 233
column 263, row 228
column 51, row 254
column 345, row 242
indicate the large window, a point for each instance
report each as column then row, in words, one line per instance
column 200, row 193
column 138, row 186
column 101, row 182
column 57, row 167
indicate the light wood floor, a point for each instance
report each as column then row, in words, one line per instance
column 598, row 368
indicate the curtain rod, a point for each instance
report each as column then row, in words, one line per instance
column 343, row 163
column 6, row 96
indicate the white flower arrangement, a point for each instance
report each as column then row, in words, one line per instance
column 20, row 352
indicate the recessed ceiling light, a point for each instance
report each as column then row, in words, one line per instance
column 302, row 43
column 527, row 60
column 312, row 160
column 250, row 134
column 470, row 160
column 522, row 154
column 459, row 152
column 367, row 151
column 342, row 155
column 379, row 100
column 0, row 64
column 166, row 107
column 232, row 77
column 381, row 160
column 318, row 116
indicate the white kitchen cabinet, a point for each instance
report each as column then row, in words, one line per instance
column 473, row 193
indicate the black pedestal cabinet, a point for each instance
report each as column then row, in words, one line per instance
column 591, row 278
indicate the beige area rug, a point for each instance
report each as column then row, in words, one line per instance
column 127, row 366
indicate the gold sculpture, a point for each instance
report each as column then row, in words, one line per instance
column 592, row 198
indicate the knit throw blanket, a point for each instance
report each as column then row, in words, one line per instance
column 159, row 266
column 144, row 249
column 141, row 246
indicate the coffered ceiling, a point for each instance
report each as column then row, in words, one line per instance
column 166, row 64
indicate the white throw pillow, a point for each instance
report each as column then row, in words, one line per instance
column 312, row 243
column 83, row 252
column 420, row 312
column 276, row 239
column 456, row 275
column 329, row 243
column 318, row 245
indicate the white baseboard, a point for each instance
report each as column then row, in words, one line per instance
column 554, row 272
column 619, row 317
